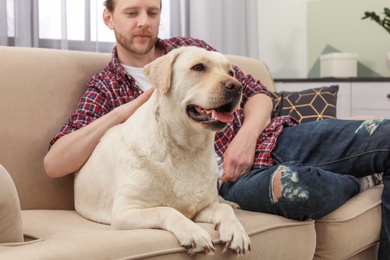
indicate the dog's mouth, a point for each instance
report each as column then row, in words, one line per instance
column 215, row 118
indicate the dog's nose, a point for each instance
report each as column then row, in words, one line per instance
column 233, row 85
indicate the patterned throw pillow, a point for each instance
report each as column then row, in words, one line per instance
column 306, row 105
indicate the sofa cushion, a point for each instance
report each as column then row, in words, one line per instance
column 351, row 228
column 66, row 235
column 11, row 228
column 306, row 105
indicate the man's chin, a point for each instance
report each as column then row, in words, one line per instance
column 138, row 49
column 141, row 50
column 142, row 47
column 137, row 45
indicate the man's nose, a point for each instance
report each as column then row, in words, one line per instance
column 143, row 20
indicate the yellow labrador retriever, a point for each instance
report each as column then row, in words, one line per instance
column 158, row 168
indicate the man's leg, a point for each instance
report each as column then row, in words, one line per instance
column 358, row 148
column 291, row 190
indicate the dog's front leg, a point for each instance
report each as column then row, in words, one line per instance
column 189, row 234
column 231, row 231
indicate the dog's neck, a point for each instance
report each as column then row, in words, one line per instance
column 173, row 128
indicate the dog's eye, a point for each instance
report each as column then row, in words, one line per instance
column 199, row 67
column 231, row 73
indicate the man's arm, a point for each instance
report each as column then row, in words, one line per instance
column 239, row 156
column 69, row 153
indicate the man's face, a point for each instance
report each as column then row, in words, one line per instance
column 135, row 23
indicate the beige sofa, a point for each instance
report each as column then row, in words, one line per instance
column 39, row 88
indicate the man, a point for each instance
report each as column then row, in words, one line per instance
column 258, row 156
column 135, row 24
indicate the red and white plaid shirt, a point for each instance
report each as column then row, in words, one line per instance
column 113, row 87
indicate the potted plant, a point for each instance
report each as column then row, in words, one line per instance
column 383, row 22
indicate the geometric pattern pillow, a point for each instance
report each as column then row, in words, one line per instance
column 306, row 105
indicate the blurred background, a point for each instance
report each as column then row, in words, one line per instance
column 289, row 35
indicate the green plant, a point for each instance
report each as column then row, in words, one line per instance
column 385, row 22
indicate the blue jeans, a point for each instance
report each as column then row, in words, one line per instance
column 315, row 169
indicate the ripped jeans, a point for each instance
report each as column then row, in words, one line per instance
column 319, row 162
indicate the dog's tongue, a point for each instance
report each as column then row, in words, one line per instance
column 223, row 117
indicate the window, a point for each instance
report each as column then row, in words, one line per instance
column 52, row 14
column 75, row 23
column 10, row 17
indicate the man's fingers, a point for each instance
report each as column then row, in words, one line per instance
column 146, row 95
column 233, row 173
column 126, row 110
column 142, row 99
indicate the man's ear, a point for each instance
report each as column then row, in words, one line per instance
column 159, row 71
column 107, row 18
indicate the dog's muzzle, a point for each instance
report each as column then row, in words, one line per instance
column 216, row 118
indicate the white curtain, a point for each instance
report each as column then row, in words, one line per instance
column 19, row 23
column 230, row 26
column 3, row 23
column 26, row 23
column 59, row 24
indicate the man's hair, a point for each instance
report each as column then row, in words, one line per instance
column 110, row 5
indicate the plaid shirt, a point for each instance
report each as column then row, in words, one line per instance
column 113, row 87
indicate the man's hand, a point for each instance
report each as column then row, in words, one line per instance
column 128, row 109
column 239, row 156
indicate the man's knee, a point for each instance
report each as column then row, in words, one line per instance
column 285, row 183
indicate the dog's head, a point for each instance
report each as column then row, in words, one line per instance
column 199, row 83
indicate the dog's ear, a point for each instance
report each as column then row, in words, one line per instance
column 159, row 71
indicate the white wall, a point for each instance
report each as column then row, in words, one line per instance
column 290, row 46
column 282, row 37
column 336, row 26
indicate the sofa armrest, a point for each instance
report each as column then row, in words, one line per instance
column 11, row 229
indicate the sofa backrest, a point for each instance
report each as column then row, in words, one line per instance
column 258, row 69
column 39, row 89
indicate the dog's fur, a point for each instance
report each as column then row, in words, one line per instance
column 158, row 168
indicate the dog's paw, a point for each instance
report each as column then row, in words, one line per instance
column 234, row 236
column 197, row 242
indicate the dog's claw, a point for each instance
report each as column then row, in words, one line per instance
column 216, row 227
column 206, row 250
column 225, row 248
column 202, row 247
column 210, row 250
column 240, row 248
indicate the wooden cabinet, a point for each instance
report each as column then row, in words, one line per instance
column 370, row 98
column 356, row 97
